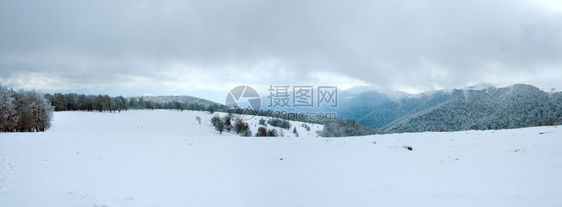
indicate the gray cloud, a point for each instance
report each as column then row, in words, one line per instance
column 175, row 45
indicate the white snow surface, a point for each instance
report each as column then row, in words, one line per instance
column 165, row 158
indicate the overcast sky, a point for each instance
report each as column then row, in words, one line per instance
column 204, row 48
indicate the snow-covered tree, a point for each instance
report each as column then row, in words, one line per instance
column 8, row 118
column 33, row 112
column 44, row 111
column 133, row 103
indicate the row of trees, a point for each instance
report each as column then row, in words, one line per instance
column 82, row 102
column 345, row 128
column 75, row 102
column 24, row 111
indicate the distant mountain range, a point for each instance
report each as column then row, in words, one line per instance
column 479, row 107
column 385, row 110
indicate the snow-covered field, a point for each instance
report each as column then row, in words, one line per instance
column 165, row 158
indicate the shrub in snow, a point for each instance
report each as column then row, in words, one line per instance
column 272, row 133
column 242, row 128
column 262, row 122
column 216, row 119
column 279, row 123
column 263, row 132
column 218, row 123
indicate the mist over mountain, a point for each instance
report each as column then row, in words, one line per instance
column 379, row 114
column 478, row 107
column 499, row 108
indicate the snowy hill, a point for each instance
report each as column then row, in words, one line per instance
column 165, row 158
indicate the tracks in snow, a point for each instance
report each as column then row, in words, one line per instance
column 7, row 172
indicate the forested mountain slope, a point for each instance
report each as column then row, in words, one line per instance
column 501, row 108
column 380, row 114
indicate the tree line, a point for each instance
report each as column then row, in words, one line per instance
column 24, row 111
column 345, row 128
column 82, row 102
